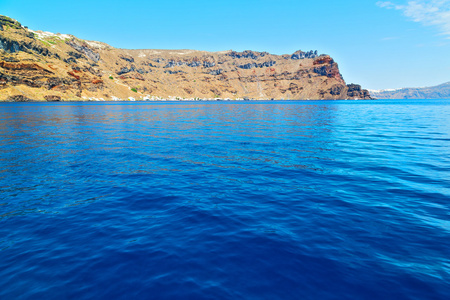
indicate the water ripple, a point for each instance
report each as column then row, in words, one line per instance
column 274, row 200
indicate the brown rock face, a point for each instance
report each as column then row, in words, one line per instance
column 56, row 68
column 52, row 98
column 337, row 89
column 323, row 60
column 23, row 67
column 18, row 98
column 326, row 66
column 354, row 91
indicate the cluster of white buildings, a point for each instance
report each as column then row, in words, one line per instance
column 156, row 98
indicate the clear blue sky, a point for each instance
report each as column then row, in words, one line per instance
column 378, row 44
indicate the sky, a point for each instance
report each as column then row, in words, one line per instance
column 378, row 44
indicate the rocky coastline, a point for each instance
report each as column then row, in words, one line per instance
column 57, row 67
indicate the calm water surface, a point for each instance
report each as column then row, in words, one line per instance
column 205, row 200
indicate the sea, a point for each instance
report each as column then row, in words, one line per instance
column 225, row 200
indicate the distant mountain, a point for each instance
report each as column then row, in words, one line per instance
column 441, row 91
column 41, row 65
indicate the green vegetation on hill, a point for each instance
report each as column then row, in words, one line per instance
column 8, row 22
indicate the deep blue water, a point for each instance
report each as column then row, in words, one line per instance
column 206, row 200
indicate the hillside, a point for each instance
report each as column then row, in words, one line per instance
column 45, row 66
column 441, row 91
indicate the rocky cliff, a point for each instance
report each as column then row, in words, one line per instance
column 44, row 66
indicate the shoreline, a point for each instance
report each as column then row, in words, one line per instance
column 193, row 100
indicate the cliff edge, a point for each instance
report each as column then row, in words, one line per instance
column 54, row 67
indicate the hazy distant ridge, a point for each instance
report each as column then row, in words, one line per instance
column 441, row 91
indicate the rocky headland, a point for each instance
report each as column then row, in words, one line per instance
column 36, row 65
